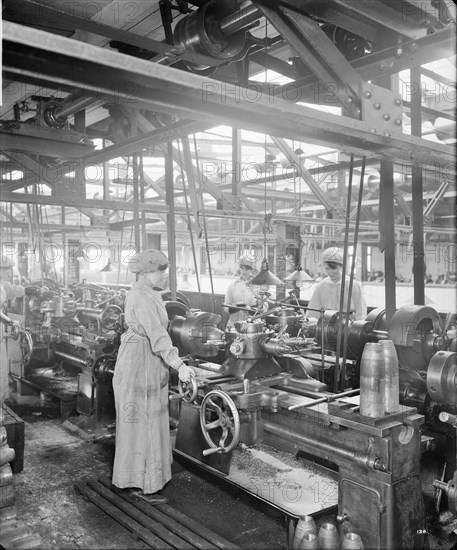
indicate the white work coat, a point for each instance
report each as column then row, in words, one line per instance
column 327, row 295
column 143, row 449
column 239, row 293
column 7, row 290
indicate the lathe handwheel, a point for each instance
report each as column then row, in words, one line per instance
column 15, row 330
column 26, row 343
column 189, row 390
column 442, row 377
column 413, row 330
column 219, row 413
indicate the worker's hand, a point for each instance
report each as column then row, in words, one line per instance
column 185, row 373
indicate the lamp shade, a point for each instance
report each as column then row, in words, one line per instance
column 299, row 276
column 265, row 277
column 108, row 267
column 79, row 253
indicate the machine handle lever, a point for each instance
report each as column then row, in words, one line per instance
column 212, row 450
column 175, row 396
column 448, row 418
column 5, row 318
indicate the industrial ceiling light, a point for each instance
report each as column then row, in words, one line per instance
column 265, row 278
column 299, row 276
column 79, row 253
column 108, row 267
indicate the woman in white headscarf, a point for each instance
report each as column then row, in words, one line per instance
column 327, row 293
column 143, row 453
column 239, row 294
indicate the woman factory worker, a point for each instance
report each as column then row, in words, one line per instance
column 327, row 293
column 238, row 293
column 143, row 454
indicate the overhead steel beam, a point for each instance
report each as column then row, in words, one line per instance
column 196, row 200
column 404, row 206
column 170, row 90
column 150, row 139
column 351, row 15
column 274, row 64
column 390, row 16
column 367, row 201
column 209, row 213
column 382, row 63
column 79, row 203
column 117, row 226
column 186, row 163
column 47, row 143
column 34, row 166
column 147, row 140
column 431, row 114
column 436, row 77
column 7, row 215
column 146, row 125
column 48, row 227
column 327, row 202
column 318, row 52
column 431, row 15
column 30, row 12
column 25, row 163
column 431, row 207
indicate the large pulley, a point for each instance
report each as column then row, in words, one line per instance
column 371, row 329
column 26, row 344
column 414, row 329
column 442, row 377
column 203, row 31
column 180, row 297
column 195, row 332
column 220, row 422
column 327, row 329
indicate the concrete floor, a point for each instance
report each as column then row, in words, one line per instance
column 59, row 454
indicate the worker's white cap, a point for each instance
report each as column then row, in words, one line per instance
column 333, row 254
column 245, row 260
column 148, row 261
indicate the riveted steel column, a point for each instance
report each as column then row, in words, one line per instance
column 171, row 234
column 417, row 193
column 136, row 192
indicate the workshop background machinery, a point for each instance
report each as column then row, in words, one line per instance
column 183, row 69
column 59, row 340
column 255, row 398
